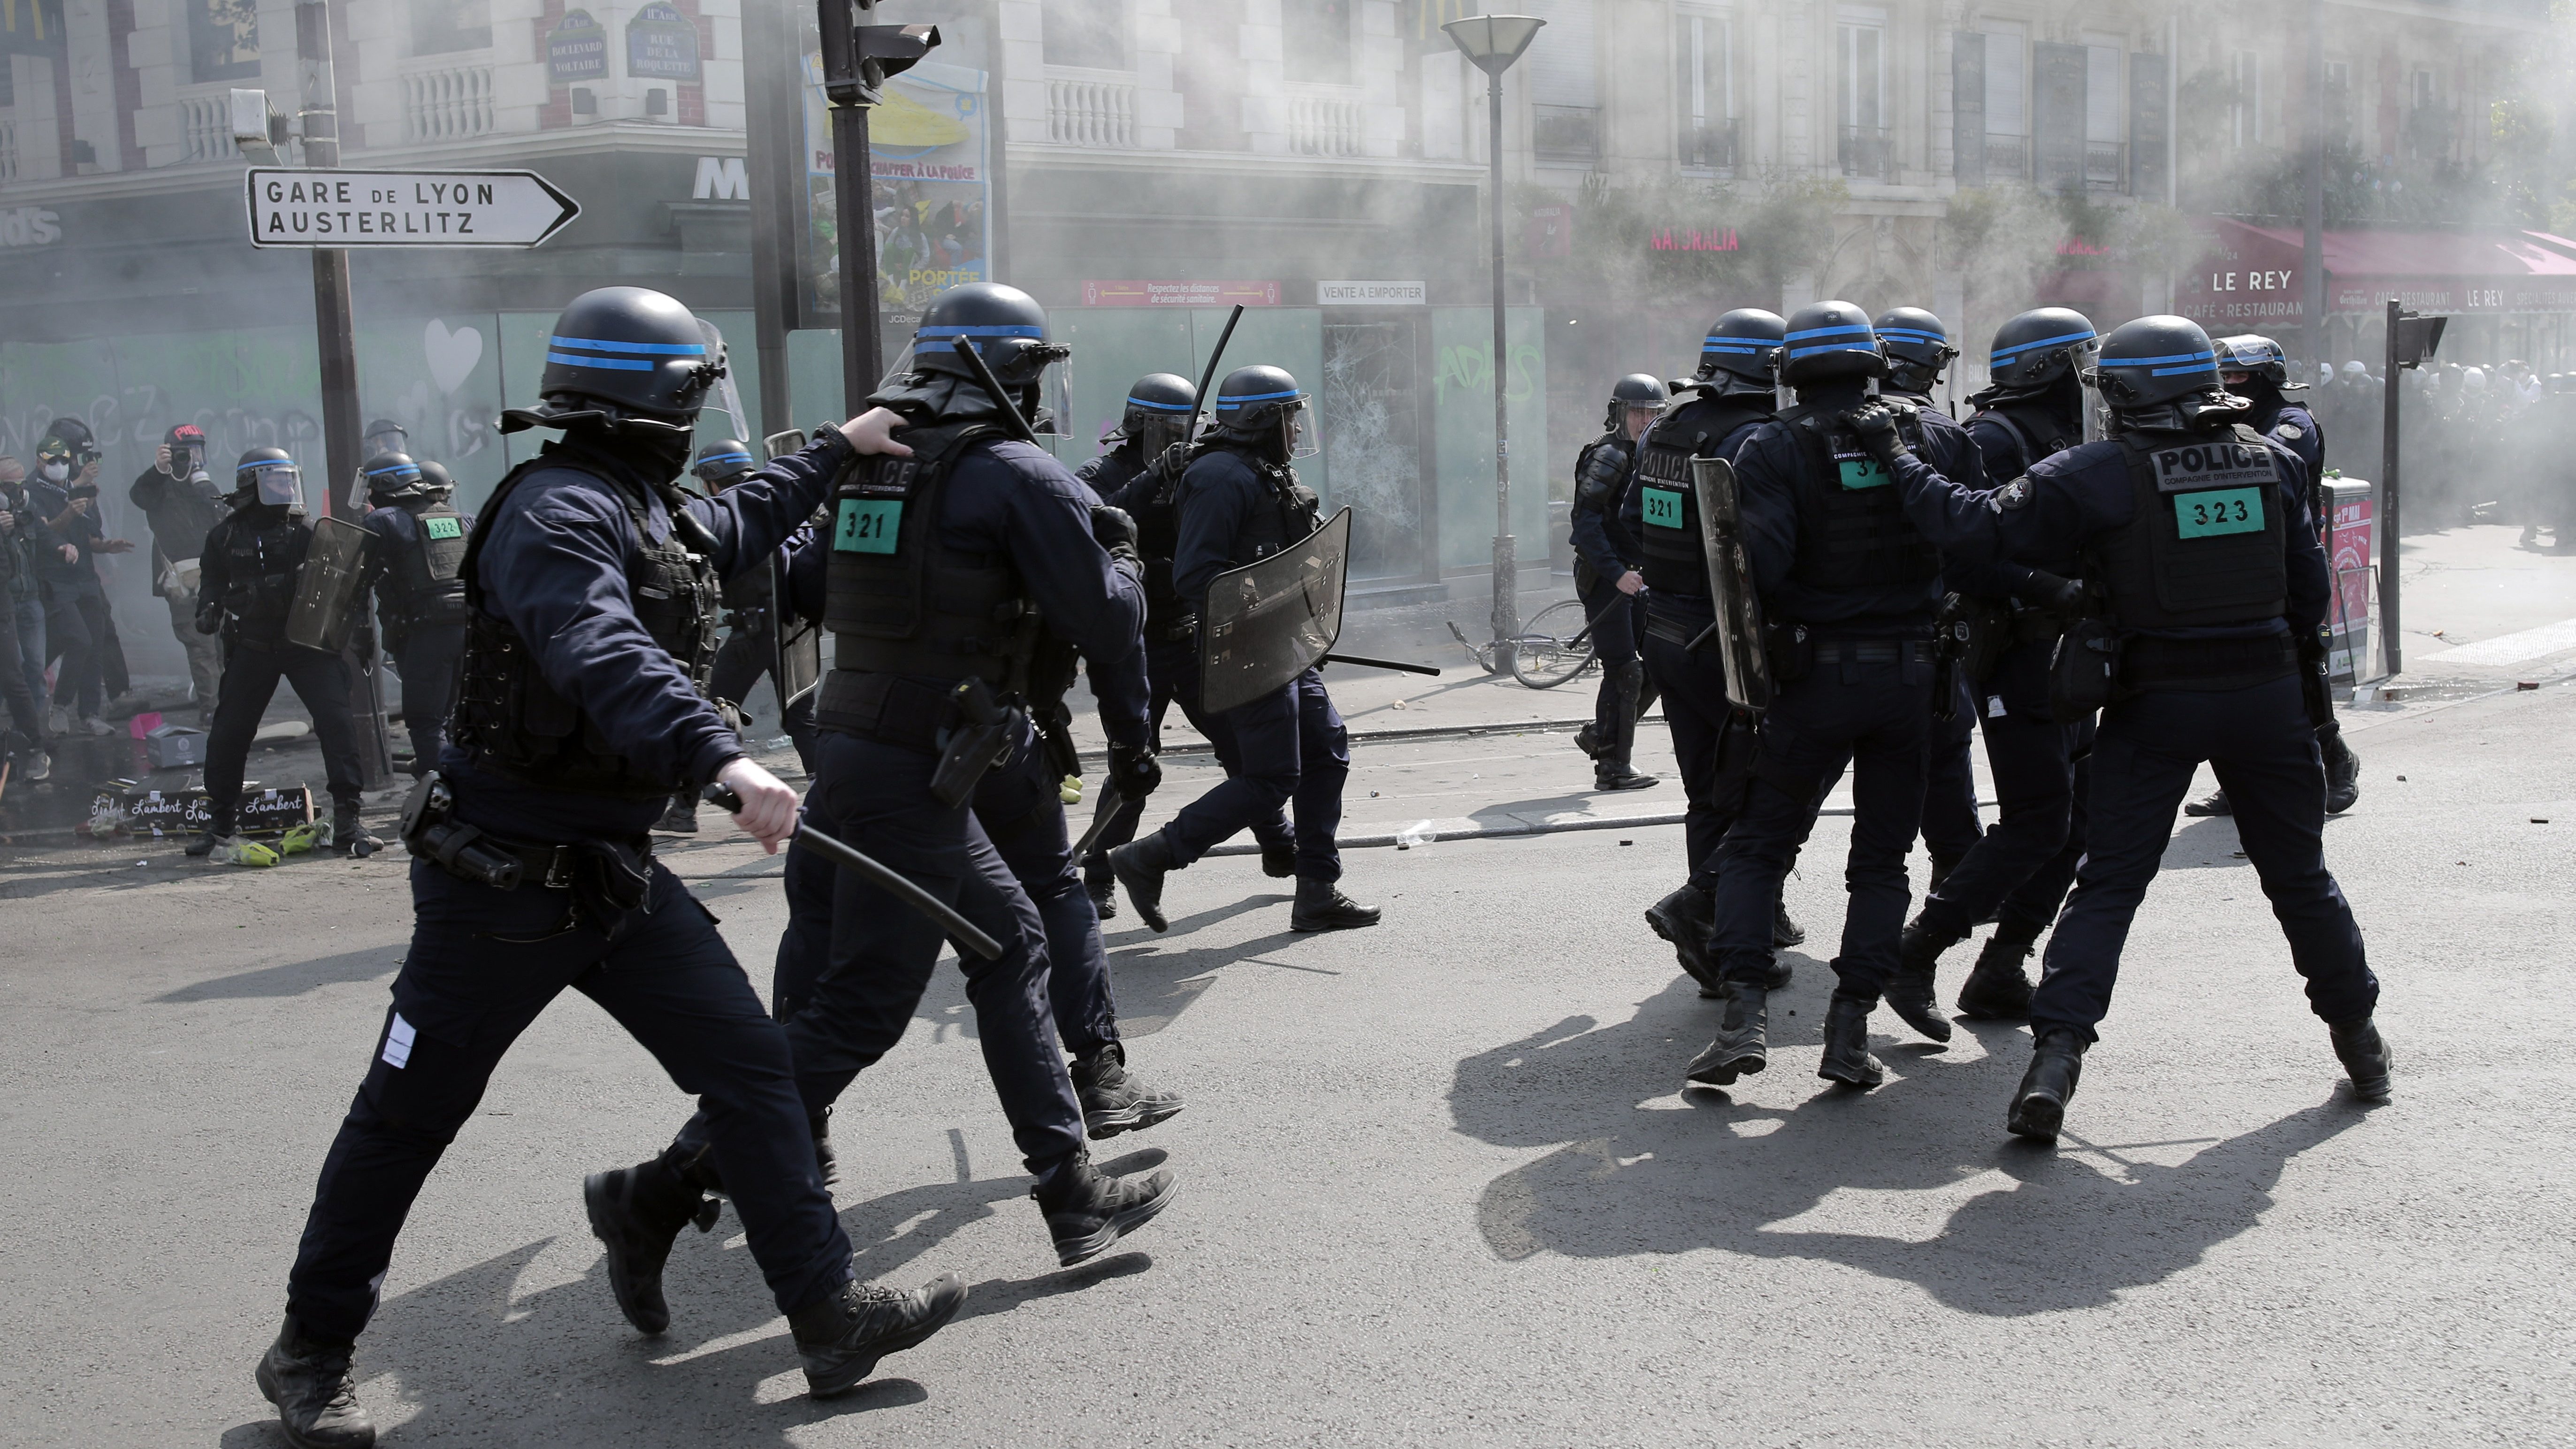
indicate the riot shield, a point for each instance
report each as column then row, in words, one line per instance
column 798, row 665
column 1267, row 621
column 327, row 601
column 1737, row 634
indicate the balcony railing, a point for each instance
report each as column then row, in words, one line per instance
column 1868, row 152
column 1086, row 112
column 2007, row 157
column 1710, row 147
column 8, row 148
column 2106, row 166
column 447, row 103
column 1566, row 133
column 1323, row 126
column 206, row 128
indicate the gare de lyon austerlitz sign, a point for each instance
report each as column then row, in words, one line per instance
column 354, row 209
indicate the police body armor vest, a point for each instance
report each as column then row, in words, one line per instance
column 2203, row 547
column 260, row 562
column 1600, row 483
column 1158, row 537
column 2029, row 422
column 898, row 600
column 1668, row 497
column 1294, row 512
column 513, row 722
column 1852, row 528
column 431, row 578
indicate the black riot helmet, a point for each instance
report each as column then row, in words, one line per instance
column 269, row 476
column 1918, row 348
column 435, row 485
column 721, row 462
column 1636, row 390
column 384, row 435
column 79, row 444
column 1829, row 340
column 1159, row 406
column 2256, row 358
column 1740, row 349
column 623, row 358
column 1259, row 405
column 391, row 478
column 2155, row 362
column 1005, row 324
column 2038, row 347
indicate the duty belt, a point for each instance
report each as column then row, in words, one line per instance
column 1868, row 651
column 1184, row 627
column 891, row 709
column 2150, row 662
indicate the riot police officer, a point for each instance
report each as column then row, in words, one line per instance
column 1141, row 477
column 1729, row 397
column 1240, row 501
column 2196, row 533
column 1918, row 349
column 415, row 558
column 2254, row 368
column 2033, row 404
column 247, row 586
column 1848, row 588
column 591, row 589
column 1609, row 576
column 962, row 570
column 751, row 648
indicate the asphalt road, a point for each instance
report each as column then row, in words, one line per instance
column 1439, row 1183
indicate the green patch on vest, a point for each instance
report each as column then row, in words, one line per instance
column 867, row 525
column 444, row 527
column 2226, row 510
column 1859, row 473
column 1662, row 507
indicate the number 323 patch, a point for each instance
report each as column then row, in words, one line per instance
column 2226, row 510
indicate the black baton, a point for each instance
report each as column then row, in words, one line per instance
column 960, row 929
column 1112, row 800
column 1398, row 665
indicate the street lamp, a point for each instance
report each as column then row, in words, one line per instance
column 1493, row 42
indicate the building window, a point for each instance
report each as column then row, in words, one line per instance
column 2007, row 102
column 441, row 26
column 2245, row 114
column 1318, row 42
column 223, row 40
column 1863, row 65
column 1088, row 33
column 2106, row 164
column 2339, row 115
column 1704, row 88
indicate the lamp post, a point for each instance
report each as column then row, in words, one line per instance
column 1493, row 42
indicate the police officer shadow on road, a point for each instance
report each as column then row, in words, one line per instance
column 1915, row 1181
column 292, row 978
column 1155, row 986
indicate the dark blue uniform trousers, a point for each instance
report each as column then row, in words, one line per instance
column 427, row 661
column 1616, row 621
column 1713, row 745
column 1291, row 749
column 483, row 963
column 2032, row 759
column 2264, row 751
column 251, row 674
column 1172, row 677
column 876, row 797
column 1872, row 716
column 1950, row 825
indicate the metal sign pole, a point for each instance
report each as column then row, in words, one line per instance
column 774, row 120
column 2387, row 521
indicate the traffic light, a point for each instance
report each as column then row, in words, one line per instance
column 858, row 58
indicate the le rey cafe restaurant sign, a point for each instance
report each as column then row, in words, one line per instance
column 353, row 209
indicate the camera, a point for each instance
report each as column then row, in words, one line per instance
column 82, row 490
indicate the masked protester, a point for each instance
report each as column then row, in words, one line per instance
column 78, row 629
column 181, row 500
column 22, row 626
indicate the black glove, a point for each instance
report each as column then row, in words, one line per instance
column 1134, row 771
column 210, row 617
column 2047, row 590
column 1875, row 423
column 1113, row 528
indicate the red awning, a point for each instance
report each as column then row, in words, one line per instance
column 2249, row 275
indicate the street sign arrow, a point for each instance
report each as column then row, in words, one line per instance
column 358, row 209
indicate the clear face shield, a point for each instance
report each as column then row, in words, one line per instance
column 391, row 440
column 280, row 485
column 1638, row 417
column 1297, row 433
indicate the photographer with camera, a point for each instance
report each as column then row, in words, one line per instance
column 77, row 631
column 179, row 498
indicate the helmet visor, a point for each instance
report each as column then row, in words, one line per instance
column 393, row 480
column 278, row 484
column 1297, row 432
column 389, row 440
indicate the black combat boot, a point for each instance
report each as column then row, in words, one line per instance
column 2343, row 772
column 681, row 818
column 841, row 1336
column 1847, row 1059
column 1114, row 1102
column 1104, row 896
column 2364, row 1056
column 825, row 1159
column 1941, row 868
column 1621, row 777
column 349, row 835
column 2039, row 1104
column 1279, row 860
column 1785, row 932
column 1685, row 918
column 316, row 1394
column 1740, row 1049
column 1322, row 907
column 1997, row 989
column 1140, row 866
column 1086, row 1209
column 1588, row 740
column 1909, row 991
column 2216, row 804
column 638, row 1212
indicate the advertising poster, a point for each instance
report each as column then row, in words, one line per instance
column 930, row 149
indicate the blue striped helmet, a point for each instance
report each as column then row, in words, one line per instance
column 635, row 350
column 722, row 461
column 2040, row 346
column 1254, row 404
column 1743, row 344
column 390, row 476
column 2156, row 360
column 1005, row 324
column 1828, row 340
